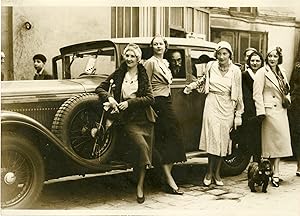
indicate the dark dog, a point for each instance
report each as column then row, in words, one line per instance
column 259, row 173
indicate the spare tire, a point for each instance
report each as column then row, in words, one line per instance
column 74, row 123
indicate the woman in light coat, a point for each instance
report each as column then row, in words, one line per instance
column 270, row 93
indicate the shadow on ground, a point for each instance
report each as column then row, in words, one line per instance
column 100, row 190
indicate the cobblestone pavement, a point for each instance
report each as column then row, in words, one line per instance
column 115, row 194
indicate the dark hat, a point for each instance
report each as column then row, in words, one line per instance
column 205, row 59
column 40, row 57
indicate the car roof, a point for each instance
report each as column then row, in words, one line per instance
column 170, row 40
column 138, row 40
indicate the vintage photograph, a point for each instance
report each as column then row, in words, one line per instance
column 169, row 108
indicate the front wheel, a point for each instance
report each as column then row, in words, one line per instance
column 22, row 171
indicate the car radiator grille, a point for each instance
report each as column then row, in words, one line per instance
column 44, row 114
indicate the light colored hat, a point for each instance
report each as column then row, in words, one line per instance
column 250, row 49
column 226, row 45
column 276, row 48
column 2, row 57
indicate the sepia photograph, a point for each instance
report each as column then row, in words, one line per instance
column 156, row 107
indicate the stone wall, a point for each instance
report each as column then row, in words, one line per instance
column 51, row 28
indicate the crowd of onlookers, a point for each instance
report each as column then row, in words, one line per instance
column 254, row 100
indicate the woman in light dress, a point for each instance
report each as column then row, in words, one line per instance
column 222, row 111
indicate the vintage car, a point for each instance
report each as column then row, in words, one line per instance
column 56, row 128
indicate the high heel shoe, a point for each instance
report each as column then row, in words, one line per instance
column 171, row 190
column 140, row 200
column 206, row 181
column 275, row 181
column 219, row 182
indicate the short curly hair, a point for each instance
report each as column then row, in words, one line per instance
column 258, row 54
column 134, row 48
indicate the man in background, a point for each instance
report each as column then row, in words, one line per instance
column 176, row 65
column 39, row 61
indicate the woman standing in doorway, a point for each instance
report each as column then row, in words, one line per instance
column 222, row 111
column 271, row 96
column 168, row 142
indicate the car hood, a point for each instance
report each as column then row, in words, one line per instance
column 39, row 87
column 47, row 87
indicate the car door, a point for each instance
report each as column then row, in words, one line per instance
column 189, row 108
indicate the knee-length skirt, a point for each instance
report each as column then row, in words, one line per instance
column 218, row 118
column 141, row 135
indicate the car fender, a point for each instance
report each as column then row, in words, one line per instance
column 9, row 118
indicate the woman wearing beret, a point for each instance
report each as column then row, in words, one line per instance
column 271, row 96
column 222, row 111
column 168, row 142
column 133, row 98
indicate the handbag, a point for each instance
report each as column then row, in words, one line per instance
column 286, row 103
column 199, row 84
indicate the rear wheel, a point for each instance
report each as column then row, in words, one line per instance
column 22, row 171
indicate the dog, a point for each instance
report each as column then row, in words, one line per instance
column 259, row 173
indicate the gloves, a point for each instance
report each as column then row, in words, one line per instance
column 237, row 122
column 260, row 118
column 188, row 88
column 113, row 104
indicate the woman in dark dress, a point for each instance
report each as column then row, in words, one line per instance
column 251, row 128
column 133, row 99
column 294, row 112
column 168, row 142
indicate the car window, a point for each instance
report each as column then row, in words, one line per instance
column 92, row 62
column 199, row 60
column 176, row 59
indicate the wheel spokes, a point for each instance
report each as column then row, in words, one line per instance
column 81, row 139
column 15, row 177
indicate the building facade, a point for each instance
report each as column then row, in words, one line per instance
column 26, row 31
column 261, row 28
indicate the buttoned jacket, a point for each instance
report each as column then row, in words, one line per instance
column 266, row 90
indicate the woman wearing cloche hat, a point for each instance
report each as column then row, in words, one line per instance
column 271, row 96
column 222, row 111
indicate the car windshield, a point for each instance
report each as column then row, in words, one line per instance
column 92, row 62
